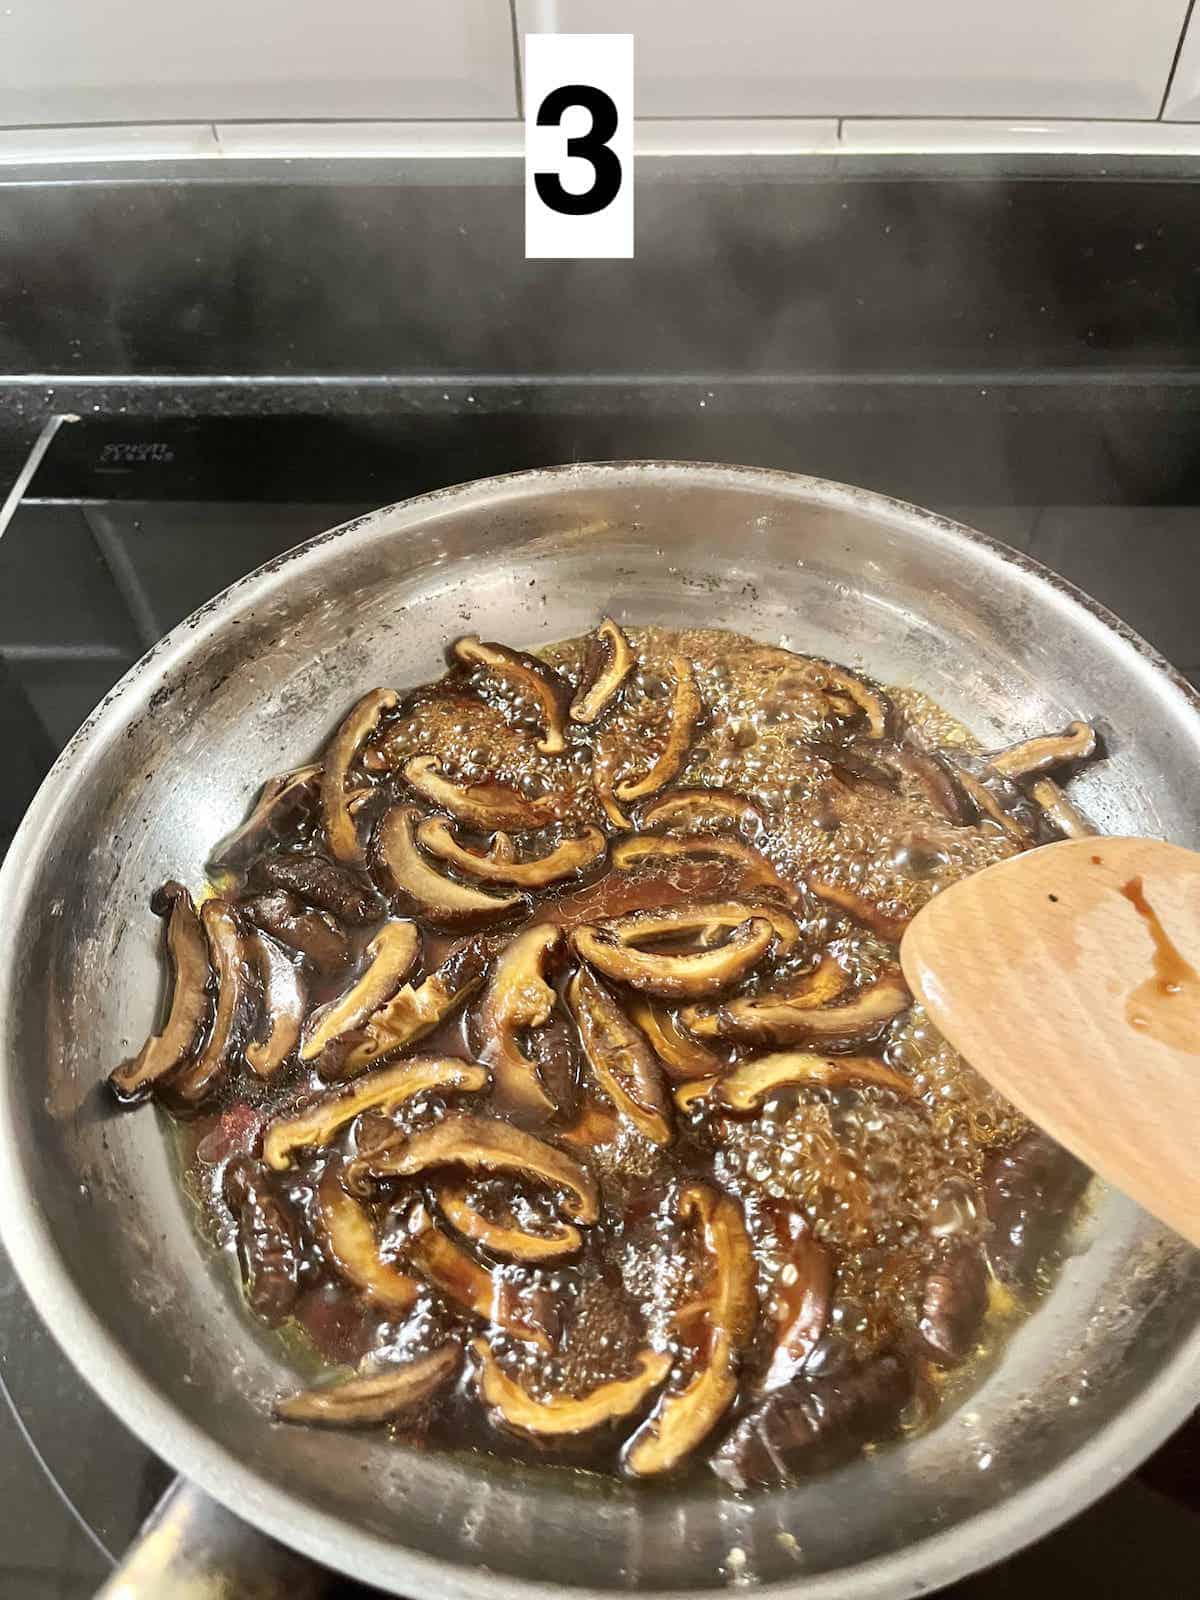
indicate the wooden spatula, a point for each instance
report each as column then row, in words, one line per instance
column 1068, row 978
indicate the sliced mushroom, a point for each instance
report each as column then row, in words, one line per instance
column 483, row 1144
column 414, row 1011
column 483, row 807
column 341, row 835
column 1028, row 1190
column 602, row 783
column 390, row 957
column 415, row 886
column 954, row 1300
column 375, row 1396
column 518, row 997
column 501, row 1238
column 1032, row 757
column 683, row 1056
column 718, row 1325
column 187, row 951
column 283, row 1002
column 757, row 871
column 686, row 707
column 989, row 805
column 685, row 975
column 235, row 1005
column 800, row 1296
column 820, row 987
column 567, row 860
column 869, row 700
column 699, row 919
column 795, row 1019
column 939, row 781
column 623, row 1063
column 348, row 1237
column 532, row 680
column 693, row 1093
column 320, row 882
column 887, row 924
column 608, row 662
column 459, row 1277
column 313, row 934
column 280, row 801
column 318, row 1124
column 1060, row 811
column 562, row 1415
column 267, row 1246
column 751, row 1084
column 701, row 808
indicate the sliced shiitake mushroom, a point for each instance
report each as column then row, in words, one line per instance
column 483, row 807
column 989, row 805
column 1031, row 757
column 312, row 934
column 757, row 871
column 320, row 882
column 415, row 886
column 187, row 950
column 236, row 1000
column 608, row 662
column 676, row 975
column 390, row 957
column 319, row 1123
column 518, row 997
column 557, row 1240
column 701, row 808
column 698, row 920
column 457, row 1275
column 1060, row 810
column 838, row 684
column 954, row 1301
column 938, row 781
column 568, row 859
column 280, row 800
column 486, row 1145
column 887, row 924
column 532, row 679
column 748, row 1086
column 683, row 1055
column 824, row 984
column 693, row 1093
column 686, row 707
column 283, row 1002
column 268, row 1249
column 623, row 1063
column 602, row 783
column 341, row 834
column 375, row 1396
column 800, row 1294
column 715, row 1328
column 793, row 1018
column 348, row 1238
column 562, row 1415
column 414, row 1011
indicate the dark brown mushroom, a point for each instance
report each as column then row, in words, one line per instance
column 602, row 783
column 1032, row 757
column 482, row 807
column 485, row 1145
column 954, row 1300
column 714, row 1329
column 337, row 818
column 517, row 998
column 414, row 1011
column 695, row 1092
column 681, row 1054
column 686, row 708
column 283, row 1003
column 531, row 679
column 187, row 951
column 607, row 664
column 757, row 872
column 267, row 1244
column 551, row 1243
column 793, row 1019
column 568, row 859
column 699, row 809
column 748, row 1086
column 887, row 924
column 939, row 782
column 676, row 975
column 990, row 804
column 375, row 1396
column 235, row 1006
column 620, row 1058
column 281, row 801
column 348, row 1238
column 313, row 934
column 1028, row 1190
column 460, row 1278
column 563, row 1415
column 1059, row 810
column 799, row 1297
column 320, row 883
column 413, row 885
column 840, row 686
column 320, row 1123
column 825, row 983
column 390, row 957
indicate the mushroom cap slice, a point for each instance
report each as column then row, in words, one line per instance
column 699, row 918
column 279, row 800
column 318, row 1124
column 699, row 808
column 671, row 975
column 483, row 807
column 458, row 1276
column 608, row 662
column 726, row 1310
column 504, row 1239
column 799, row 1298
column 485, row 1144
column 794, row 1019
column 319, row 881
column 518, row 997
column 748, row 1086
column 187, row 950
column 376, row 1396
column 683, row 1056
column 348, row 1238
column 1054, row 803
column 416, row 886
column 686, row 707
column 988, row 805
column 562, row 1415
column 567, row 860
column 283, row 1001
column 341, row 835
column 870, row 701
column 391, row 956
column 1032, row 757
column 824, row 984
column 758, row 873
column 413, row 1011
column 312, row 934
column 887, row 924
column 623, row 1063
column 693, row 1093
column 531, row 678
column 236, row 1001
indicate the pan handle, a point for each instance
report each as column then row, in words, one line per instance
column 190, row 1545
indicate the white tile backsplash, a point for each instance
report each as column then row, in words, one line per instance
column 1183, row 103
column 64, row 61
column 887, row 58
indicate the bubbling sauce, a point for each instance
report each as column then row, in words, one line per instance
column 586, row 1118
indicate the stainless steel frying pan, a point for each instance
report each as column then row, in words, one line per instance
column 252, row 684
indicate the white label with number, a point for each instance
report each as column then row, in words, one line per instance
column 578, row 145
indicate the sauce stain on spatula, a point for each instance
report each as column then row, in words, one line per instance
column 1166, row 1005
